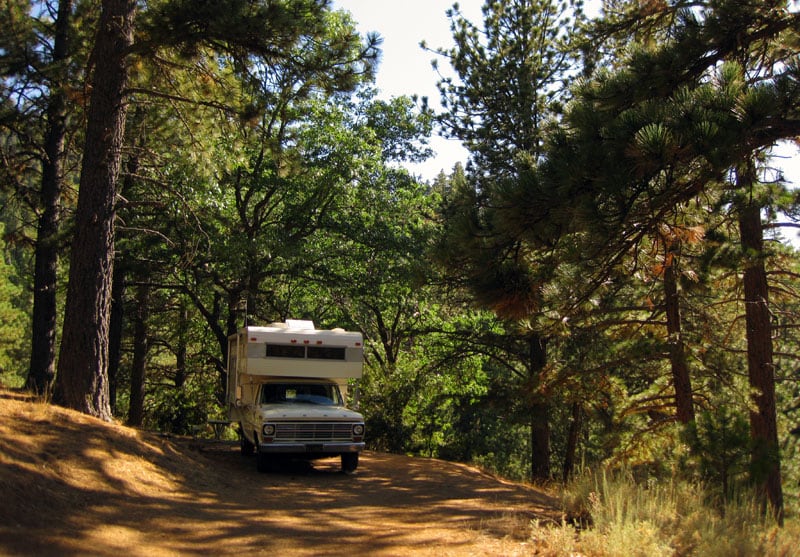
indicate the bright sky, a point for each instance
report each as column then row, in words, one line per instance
column 405, row 68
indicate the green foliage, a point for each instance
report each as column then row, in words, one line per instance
column 503, row 449
column 263, row 180
column 384, row 396
column 14, row 321
column 510, row 70
column 238, row 118
column 298, row 39
column 580, row 233
column 176, row 411
column 720, row 439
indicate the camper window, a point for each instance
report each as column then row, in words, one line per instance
column 326, row 352
column 285, row 351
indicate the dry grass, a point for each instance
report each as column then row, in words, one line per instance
column 671, row 518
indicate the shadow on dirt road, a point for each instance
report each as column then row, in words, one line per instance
column 72, row 485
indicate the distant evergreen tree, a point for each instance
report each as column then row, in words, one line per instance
column 42, row 72
column 43, row 341
column 511, row 78
column 13, row 320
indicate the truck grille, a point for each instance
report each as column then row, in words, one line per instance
column 313, row 431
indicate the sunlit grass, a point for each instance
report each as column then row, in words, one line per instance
column 614, row 515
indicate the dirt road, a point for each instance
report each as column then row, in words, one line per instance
column 76, row 486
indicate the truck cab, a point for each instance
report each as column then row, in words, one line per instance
column 286, row 387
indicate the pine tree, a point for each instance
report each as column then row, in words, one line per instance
column 700, row 105
column 510, row 83
column 253, row 36
column 41, row 374
column 82, row 381
column 12, row 319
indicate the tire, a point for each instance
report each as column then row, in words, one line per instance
column 349, row 462
column 264, row 462
column 244, row 443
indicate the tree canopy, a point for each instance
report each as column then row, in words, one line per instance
column 600, row 282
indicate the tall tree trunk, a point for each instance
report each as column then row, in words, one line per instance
column 765, row 459
column 572, row 441
column 82, row 380
column 539, row 412
column 181, row 351
column 117, row 311
column 140, row 348
column 681, row 380
column 117, row 320
column 42, row 366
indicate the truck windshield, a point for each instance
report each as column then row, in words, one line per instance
column 309, row 393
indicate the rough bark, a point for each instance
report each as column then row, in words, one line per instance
column 82, row 381
column 540, row 441
column 181, row 350
column 539, row 413
column 765, row 458
column 572, row 441
column 681, row 379
column 117, row 321
column 42, row 366
column 140, row 349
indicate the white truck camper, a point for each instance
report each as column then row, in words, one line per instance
column 286, row 388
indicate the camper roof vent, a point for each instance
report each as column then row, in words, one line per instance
column 300, row 324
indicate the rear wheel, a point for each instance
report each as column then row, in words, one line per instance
column 349, row 462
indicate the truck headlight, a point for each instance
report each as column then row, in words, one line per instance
column 358, row 430
column 268, row 430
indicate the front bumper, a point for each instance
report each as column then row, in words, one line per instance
column 314, row 448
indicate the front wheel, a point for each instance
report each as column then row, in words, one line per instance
column 349, row 462
column 244, row 443
column 264, row 461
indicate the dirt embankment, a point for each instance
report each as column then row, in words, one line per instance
column 72, row 485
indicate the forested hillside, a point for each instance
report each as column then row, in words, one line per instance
column 604, row 284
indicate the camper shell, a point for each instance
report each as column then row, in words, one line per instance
column 287, row 384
